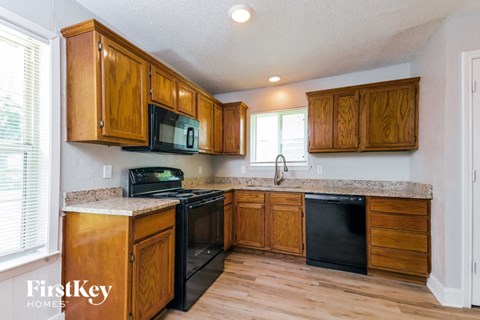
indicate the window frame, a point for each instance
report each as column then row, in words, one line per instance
column 50, row 252
column 280, row 113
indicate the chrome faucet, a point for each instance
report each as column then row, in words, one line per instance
column 276, row 179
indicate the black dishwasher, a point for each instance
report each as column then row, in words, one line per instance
column 335, row 228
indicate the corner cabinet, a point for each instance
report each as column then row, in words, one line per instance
column 373, row 117
column 235, row 128
column 398, row 238
column 134, row 255
column 107, row 88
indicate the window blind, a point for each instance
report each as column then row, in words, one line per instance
column 23, row 143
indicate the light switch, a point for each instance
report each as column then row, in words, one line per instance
column 243, row 169
column 319, row 169
column 107, row 171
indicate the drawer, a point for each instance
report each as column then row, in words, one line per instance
column 408, row 262
column 228, row 198
column 399, row 240
column 399, row 222
column 250, row 196
column 405, row 206
column 153, row 223
column 286, row 198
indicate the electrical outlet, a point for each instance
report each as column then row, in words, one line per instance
column 200, row 169
column 243, row 169
column 107, row 171
column 319, row 169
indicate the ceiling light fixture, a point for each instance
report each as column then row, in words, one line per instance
column 274, row 79
column 240, row 13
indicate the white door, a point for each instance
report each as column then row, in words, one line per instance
column 476, row 184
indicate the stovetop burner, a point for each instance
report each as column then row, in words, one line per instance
column 184, row 194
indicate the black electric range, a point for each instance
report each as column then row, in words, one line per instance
column 199, row 229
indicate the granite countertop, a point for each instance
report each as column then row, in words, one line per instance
column 412, row 192
column 110, row 201
column 121, row 206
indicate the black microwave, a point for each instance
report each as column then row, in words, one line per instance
column 170, row 132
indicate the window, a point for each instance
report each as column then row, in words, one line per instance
column 283, row 132
column 25, row 143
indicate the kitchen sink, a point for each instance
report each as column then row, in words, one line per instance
column 270, row 186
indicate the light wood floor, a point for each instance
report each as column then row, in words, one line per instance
column 261, row 287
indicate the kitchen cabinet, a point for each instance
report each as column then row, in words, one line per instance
column 163, row 88
column 228, row 221
column 272, row 221
column 390, row 116
column 398, row 238
column 107, row 90
column 186, row 99
column 217, row 129
column 235, row 128
column 205, row 116
column 333, row 121
column 135, row 255
column 373, row 117
column 287, row 227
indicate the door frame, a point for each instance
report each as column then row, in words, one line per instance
column 467, row 169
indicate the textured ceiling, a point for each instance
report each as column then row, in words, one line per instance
column 296, row 39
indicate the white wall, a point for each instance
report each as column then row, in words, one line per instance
column 440, row 160
column 81, row 164
column 363, row 166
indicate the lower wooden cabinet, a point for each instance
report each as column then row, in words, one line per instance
column 271, row 221
column 134, row 255
column 153, row 267
column 228, row 221
column 398, row 236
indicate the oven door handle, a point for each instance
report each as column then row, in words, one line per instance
column 202, row 203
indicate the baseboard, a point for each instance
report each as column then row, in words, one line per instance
column 448, row 297
column 60, row 316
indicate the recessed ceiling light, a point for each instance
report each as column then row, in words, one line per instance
column 274, row 79
column 240, row 13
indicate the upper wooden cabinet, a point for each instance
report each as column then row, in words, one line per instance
column 390, row 116
column 373, row 117
column 163, row 88
column 187, row 99
column 205, row 117
column 235, row 128
column 107, row 90
column 333, row 121
column 217, row 128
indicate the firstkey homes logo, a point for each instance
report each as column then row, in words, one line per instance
column 38, row 291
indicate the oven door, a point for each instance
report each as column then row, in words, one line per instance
column 205, row 233
column 171, row 132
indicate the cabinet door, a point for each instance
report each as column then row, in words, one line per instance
column 228, row 227
column 234, row 128
column 205, row 116
column 345, row 121
column 124, row 87
column 250, row 225
column 217, row 129
column 287, row 229
column 153, row 274
column 186, row 99
column 320, row 123
column 389, row 117
column 162, row 88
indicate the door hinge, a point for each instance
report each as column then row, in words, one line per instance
column 474, row 86
column 102, row 124
column 474, row 267
column 99, row 45
column 150, row 91
column 130, row 317
column 150, row 73
column 303, row 246
column 474, row 175
column 132, row 257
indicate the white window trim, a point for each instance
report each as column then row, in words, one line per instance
column 36, row 260
column 295, row 165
